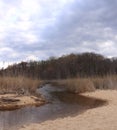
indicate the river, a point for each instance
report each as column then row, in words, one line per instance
column 61, row 103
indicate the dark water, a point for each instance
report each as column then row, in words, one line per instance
column 62, row 104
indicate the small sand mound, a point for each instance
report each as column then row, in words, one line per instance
column 12, row 101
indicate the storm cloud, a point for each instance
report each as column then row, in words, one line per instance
column 38, row 29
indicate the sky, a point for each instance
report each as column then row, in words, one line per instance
column 39, row 29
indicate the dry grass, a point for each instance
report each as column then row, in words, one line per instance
column 107, row 82
column 80, row 85
column 23, row 85
column 20, row 85
column 77, row 85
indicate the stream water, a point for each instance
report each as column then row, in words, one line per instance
column 61, row 104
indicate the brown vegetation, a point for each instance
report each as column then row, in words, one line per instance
column 64, row 70
column 19, row 85
column 26, row 86
column 80, row 85
column 69, row 66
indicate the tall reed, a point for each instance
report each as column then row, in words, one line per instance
column 80, row 85
column 19, row 85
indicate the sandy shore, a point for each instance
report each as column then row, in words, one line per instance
column 100, row 118
column 13, row 101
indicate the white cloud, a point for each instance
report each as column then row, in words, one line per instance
column 5, row 49
column 5, row 64
column 37, row 29
column 29, row 7
column 32, row 58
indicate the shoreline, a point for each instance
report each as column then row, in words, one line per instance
column 9, row 102
column 100, row 118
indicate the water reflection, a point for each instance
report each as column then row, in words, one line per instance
column 62, row 104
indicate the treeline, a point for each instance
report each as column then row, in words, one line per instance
column 68, row 66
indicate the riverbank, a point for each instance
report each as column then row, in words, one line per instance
column 14, row 101
column 100, row 118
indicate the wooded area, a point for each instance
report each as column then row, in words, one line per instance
column 67, row 66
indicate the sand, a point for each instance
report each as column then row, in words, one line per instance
column 100, row 118
column 14, row 101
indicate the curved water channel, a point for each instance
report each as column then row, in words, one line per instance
column 61, row 104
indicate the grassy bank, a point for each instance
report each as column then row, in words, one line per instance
column 80, row 85
column 19, row 85
column 23, row 85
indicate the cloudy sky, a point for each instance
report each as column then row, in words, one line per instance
column 38, row 29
